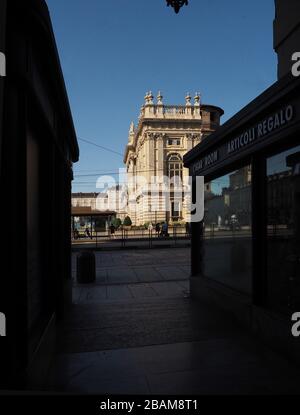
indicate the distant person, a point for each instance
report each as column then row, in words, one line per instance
column 150, row 227
column 76, row 234
column 164, row 229
column 157, row 229
column 88, row 233
column 112, row 231
column 187, row 229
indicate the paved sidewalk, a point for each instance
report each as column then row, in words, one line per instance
column 136, row 332
column 135, row 275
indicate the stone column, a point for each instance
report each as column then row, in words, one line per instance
column 160, row 155
column 160, row 170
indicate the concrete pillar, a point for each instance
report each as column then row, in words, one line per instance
column 197, row 242
column 197, row 249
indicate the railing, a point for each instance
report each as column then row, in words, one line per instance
column 171, row 111
column 212, row 231
column 175, row 109
column 143, row 238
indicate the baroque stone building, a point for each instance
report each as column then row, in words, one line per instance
column 155, row 149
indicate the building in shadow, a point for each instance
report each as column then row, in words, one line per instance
column 38, row 146
column 251, row 265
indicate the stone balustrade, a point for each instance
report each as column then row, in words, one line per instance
column 170, row 111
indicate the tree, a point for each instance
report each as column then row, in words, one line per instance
column 127, row 221
column 116, row 222
column 100, row 224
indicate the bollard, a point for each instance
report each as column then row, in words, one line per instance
column 86, row 268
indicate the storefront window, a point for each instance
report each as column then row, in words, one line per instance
column 283, row 248
column 228, row 252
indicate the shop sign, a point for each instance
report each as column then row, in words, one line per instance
column 250, row 136
column 262, row 129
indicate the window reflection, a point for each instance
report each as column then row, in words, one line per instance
column 228, row 230
column 283, row 253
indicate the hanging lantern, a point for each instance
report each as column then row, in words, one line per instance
column 177, row 4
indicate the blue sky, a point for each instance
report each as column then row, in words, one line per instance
column 113, row 51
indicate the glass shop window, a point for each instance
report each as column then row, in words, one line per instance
column 283, row 230
column 228, row 230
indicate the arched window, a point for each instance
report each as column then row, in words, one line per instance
column 174, row 166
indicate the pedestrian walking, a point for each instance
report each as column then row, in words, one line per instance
column 76, row 234
column 112, row 231
column 164, row 229
column 187, row 229
column 157, row 229
column 87, row 232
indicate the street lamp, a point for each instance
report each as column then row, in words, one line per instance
column 177, row 4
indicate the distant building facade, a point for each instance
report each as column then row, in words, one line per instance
column 110, row 200
column 230, row 200
column 84, row 200
column 155, row 149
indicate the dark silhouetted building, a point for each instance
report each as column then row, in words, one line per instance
column 250, row 264
column 38, row 146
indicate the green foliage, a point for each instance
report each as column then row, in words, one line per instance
column 116, row 222
column 127, row 221
column 100, row 224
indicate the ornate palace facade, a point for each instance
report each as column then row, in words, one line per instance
column 155, row 150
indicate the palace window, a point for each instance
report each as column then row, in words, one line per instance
column 176, row 197
column 174, row 142
column 174, row 166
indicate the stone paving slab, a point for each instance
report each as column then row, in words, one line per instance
column 108, row 259
column 171, row 273
column 101, row 275
column 118, row 292
column 86, row 295
column 169, row 289
column 142, row 290
column 120, row 275
column 147, row 274
column 97, row 294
